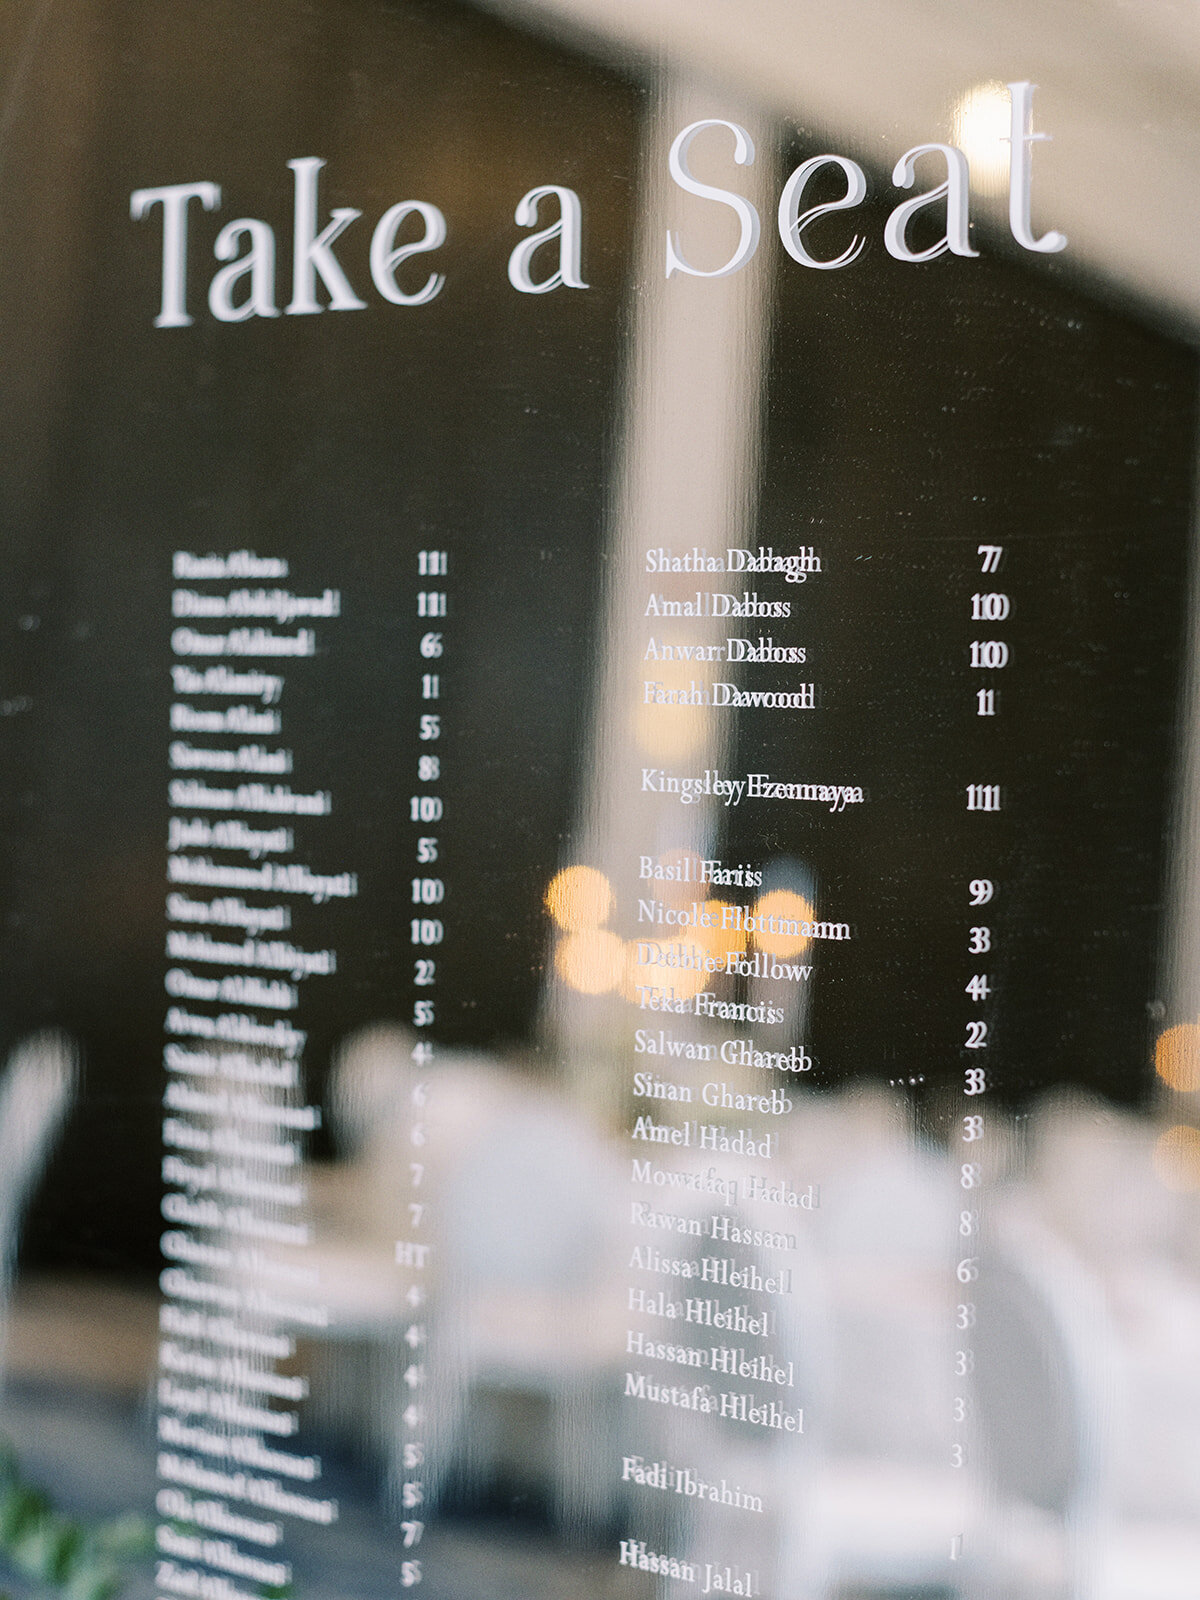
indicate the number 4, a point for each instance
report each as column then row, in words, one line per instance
column 991, row 554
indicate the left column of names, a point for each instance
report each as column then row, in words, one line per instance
column 244, row 865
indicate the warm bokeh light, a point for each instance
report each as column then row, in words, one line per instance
column 789, row 909
column 1177, row 1158
column 716, row 940
column 1177, row 1056
column 980, row 128
column 579, row 898
column 685, row 982
column 592, row 961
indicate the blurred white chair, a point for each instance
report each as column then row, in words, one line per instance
column 525, row 1213
column 1045, row 1377
column 531, row 1297
column 884, row 1500
column 35, row 1093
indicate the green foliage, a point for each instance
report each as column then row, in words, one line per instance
column 70, row 1558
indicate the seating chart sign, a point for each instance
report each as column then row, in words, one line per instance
column 599, row 931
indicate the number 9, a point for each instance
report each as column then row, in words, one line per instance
column 982, row 890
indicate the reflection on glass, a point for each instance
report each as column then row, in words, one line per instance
column 650, row 1054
